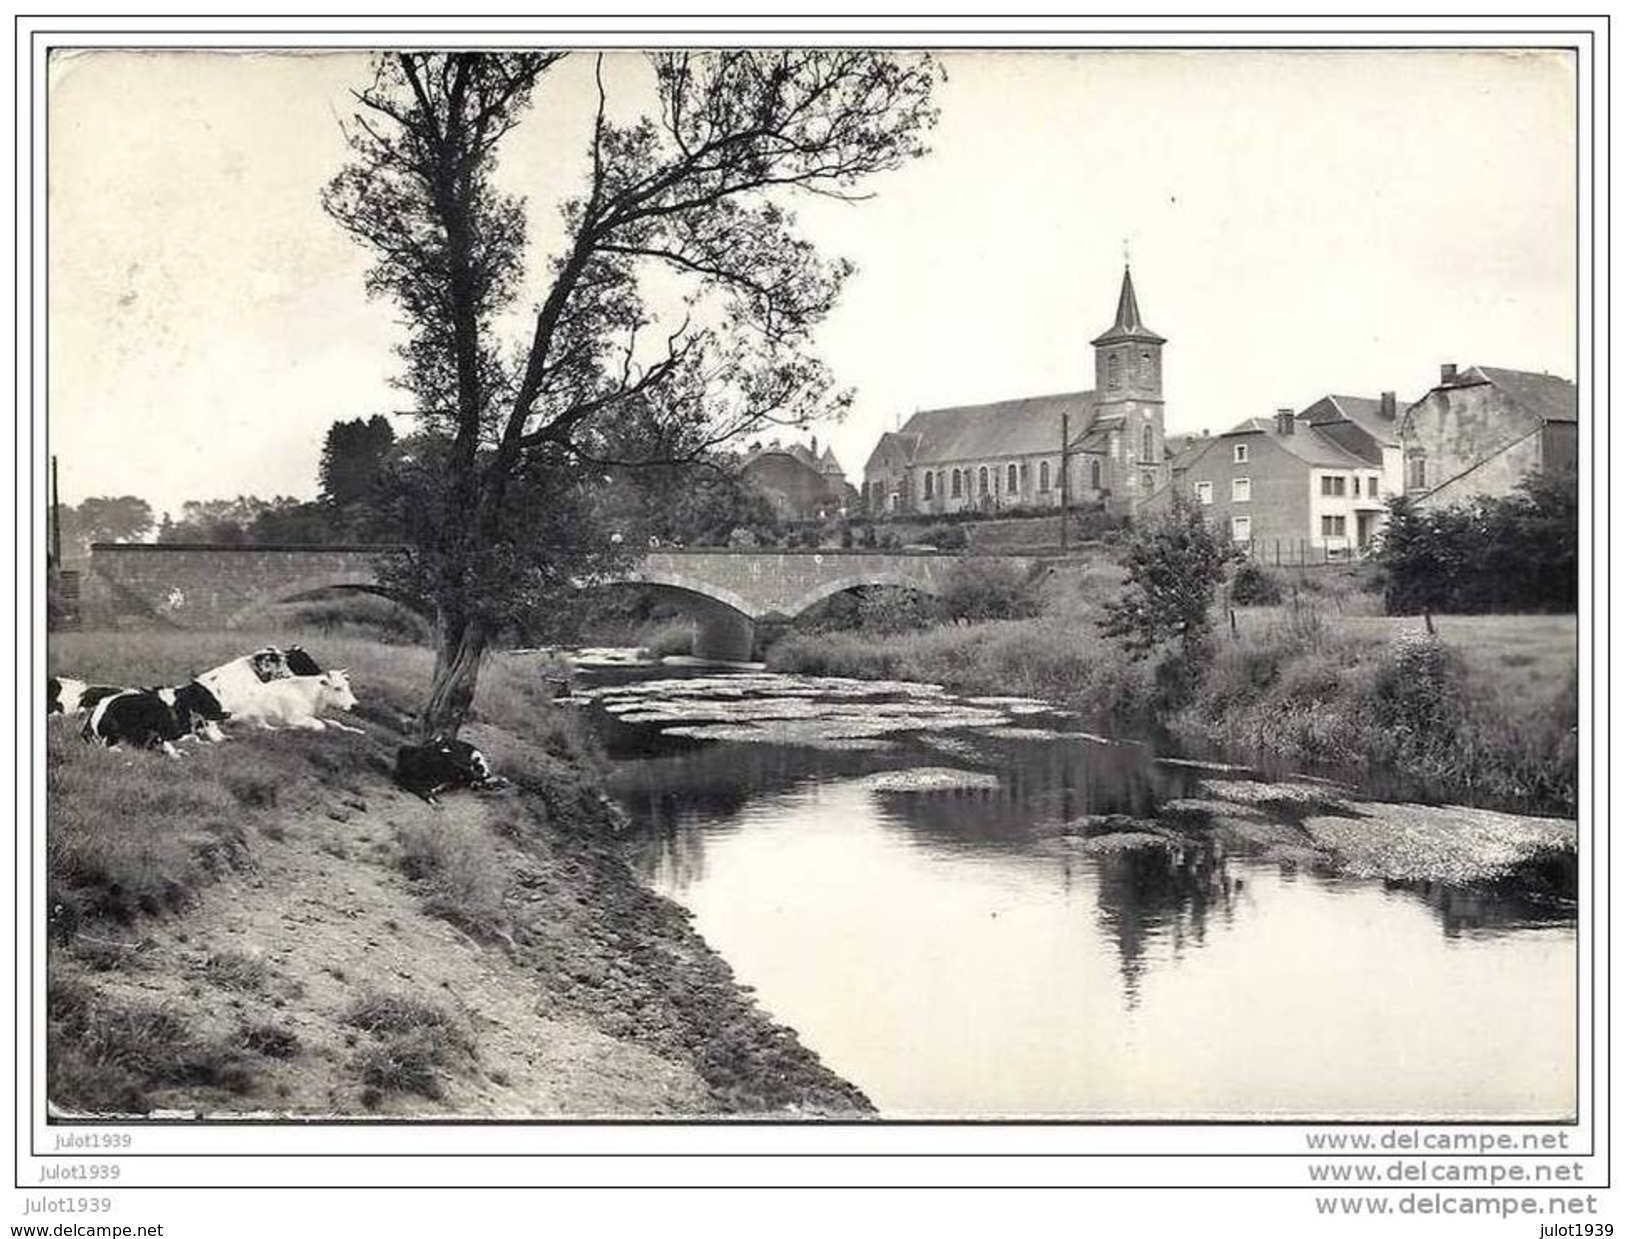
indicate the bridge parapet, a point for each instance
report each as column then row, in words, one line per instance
column 730, row 590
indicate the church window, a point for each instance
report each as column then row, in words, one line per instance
column 1148, row 441
column 958, row 483
column 1010, row 479
column 1419, row 472
column 1148, row 480
column 1094, row 474
column 930, row 486
column 1145, row 368
column 981, row 480
column 1114, row 380
column 1043, row 475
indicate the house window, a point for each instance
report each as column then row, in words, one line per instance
column 1241, row 529
column 1356, row 485
column 1147, row 480
column 1240, row 456
column 1204, row 493
column 957, row 481
column 1419, row 472
column 1010, row 479
column 930, row 486
column 1371, row 487
column 1335, row 485
column 1334, row 526
column 1094, row 474
column 1241, row 490
column 981, row 480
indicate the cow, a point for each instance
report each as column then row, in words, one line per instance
column 298, row 702
column 197, row 710
column 72, row 697
column 149, row 718
column 426, row 770
column 239, row 683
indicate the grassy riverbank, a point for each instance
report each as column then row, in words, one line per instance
column 1485, row 714
column 271, row 926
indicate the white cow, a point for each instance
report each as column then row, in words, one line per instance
column 299, row 701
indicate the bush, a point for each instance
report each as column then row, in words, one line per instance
column 1253, row 586
column 415, row 1042
column 988, row 589
column 1518, row 553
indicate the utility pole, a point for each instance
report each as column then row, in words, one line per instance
column 56, row 520
column 1066, row 486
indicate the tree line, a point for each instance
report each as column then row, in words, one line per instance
column 1519, row 552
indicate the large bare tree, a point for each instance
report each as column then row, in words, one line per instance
column 682, row 299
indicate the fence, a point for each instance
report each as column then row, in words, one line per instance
column 1304, row 553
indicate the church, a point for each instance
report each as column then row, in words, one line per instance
column 1009, row 455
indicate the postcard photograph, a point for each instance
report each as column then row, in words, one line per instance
column 813, row 584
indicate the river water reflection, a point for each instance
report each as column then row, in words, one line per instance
column 884, row 864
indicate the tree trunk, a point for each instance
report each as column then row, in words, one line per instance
column 459, row 648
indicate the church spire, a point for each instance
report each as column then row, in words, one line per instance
column 1128, row 325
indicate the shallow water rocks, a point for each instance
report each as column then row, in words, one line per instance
column 1448, row 844
column 930, row 779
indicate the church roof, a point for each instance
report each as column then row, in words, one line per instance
column 972, row 432
column 1128, row 325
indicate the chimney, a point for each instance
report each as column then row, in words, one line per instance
column 1285, row 421
column 1447, row 374
column 1388, row 410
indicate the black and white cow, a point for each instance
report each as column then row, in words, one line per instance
column 147, row 718
column 70, row 697
column 428, row 769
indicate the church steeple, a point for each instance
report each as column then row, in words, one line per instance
column 1128, row 355
column 1128, row 401
column 1128, row 325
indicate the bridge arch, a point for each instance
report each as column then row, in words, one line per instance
column 352, row 582
column 726, row 628
column 857, row 580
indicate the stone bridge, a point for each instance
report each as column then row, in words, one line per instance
column 729, row 592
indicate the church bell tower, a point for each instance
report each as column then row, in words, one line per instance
column 1128, row 401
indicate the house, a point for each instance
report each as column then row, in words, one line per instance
column 798, row 481
column 1008, row 454
column 1483, row 430
column 1286, row 485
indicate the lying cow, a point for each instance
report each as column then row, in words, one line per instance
column 148, row 718
column 239, row 683
column 72, row 697
column 297, row 702
column 426, row 770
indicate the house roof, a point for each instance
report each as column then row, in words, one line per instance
column 1128, row 325
column 829, row 465
column 1004, row 428
column 1548, row 397
column 1306, row 443
column 1363, row 411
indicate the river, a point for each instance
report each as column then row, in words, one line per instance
column 889, row 867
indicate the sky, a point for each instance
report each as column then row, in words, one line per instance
column 1299, row 223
